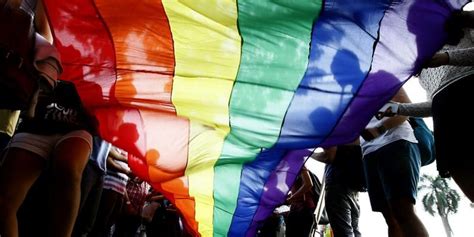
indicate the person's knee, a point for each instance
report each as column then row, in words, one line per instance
column 402, row 209
column 70, row 160
column 390, row 220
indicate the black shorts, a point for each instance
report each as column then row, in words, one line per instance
column 453, row 127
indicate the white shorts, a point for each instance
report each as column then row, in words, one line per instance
column 43, row 145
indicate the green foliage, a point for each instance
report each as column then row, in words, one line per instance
column 439, row 197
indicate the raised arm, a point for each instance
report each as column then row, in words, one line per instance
column 327, row 155
column 117, row 156
column 112, row 159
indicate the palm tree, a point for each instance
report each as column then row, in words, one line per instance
column 439, row 198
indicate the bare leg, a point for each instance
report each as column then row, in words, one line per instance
column 394, row 229
column 404, row 212
column 464, row 178
column 17, row 174
column 69, row 160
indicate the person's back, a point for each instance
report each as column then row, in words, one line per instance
column 300, row 218
column 344, row 179
column 346, row 170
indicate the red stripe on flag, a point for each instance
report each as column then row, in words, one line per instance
column 86, row 48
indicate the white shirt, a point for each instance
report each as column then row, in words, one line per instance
column 401, row 132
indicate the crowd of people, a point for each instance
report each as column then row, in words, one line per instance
column 58, row 177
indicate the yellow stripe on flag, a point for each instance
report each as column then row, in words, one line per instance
column 207, row 48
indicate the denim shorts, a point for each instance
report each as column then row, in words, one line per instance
column 43, row 145
column 392, row 173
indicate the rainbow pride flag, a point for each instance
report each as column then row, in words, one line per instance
column 218, row 100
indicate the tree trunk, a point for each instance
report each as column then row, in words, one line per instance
column 447, row 227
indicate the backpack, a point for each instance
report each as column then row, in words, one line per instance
column 425, row 140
